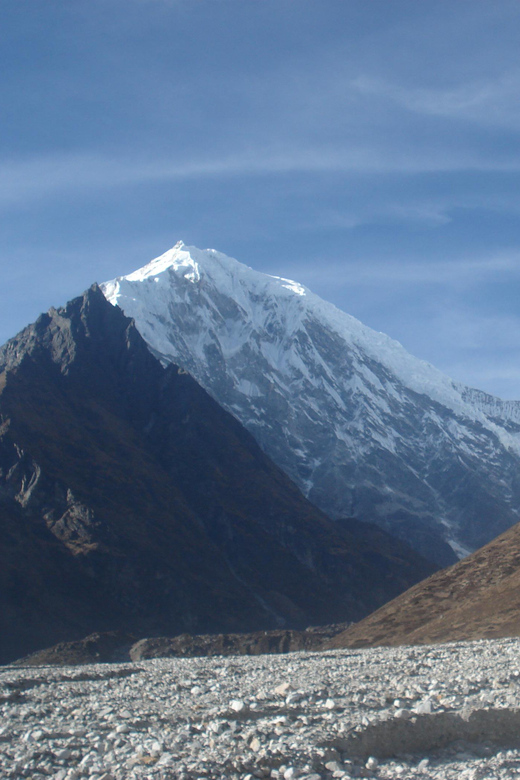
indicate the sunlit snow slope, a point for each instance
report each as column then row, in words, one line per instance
column 363, row 427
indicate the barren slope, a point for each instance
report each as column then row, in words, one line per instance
column 476, row 598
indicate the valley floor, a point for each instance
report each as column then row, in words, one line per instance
column 441, row 711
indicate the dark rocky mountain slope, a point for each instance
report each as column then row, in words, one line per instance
column 477, row 598
column 131, row 501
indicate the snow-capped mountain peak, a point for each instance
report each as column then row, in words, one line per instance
column 178, row 258
column 361, row 425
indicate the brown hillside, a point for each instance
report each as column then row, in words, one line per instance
column 476, row 598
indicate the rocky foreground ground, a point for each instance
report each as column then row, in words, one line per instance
column 442, row 711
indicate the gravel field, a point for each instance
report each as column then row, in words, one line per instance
column 441, row 711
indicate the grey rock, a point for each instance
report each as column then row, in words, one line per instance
column 191, row 738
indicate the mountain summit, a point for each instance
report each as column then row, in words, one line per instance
column 363, row 427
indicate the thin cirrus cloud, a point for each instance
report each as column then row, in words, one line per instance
column 426, row 214
column 485, row 101
column 412, row 273
column 46, row 175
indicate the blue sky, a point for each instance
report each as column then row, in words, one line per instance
column 369, row 149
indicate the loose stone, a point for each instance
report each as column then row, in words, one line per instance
column 224, row 719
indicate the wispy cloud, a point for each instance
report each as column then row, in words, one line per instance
column 49, row 175
column 486, row 101
column 406, row 273
column 426, row 214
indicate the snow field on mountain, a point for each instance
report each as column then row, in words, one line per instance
column 344, row 410
column 242, row 284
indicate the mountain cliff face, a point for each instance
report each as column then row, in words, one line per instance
column 363, row 428
column 130, row 500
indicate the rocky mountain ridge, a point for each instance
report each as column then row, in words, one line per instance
column 131, row 501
